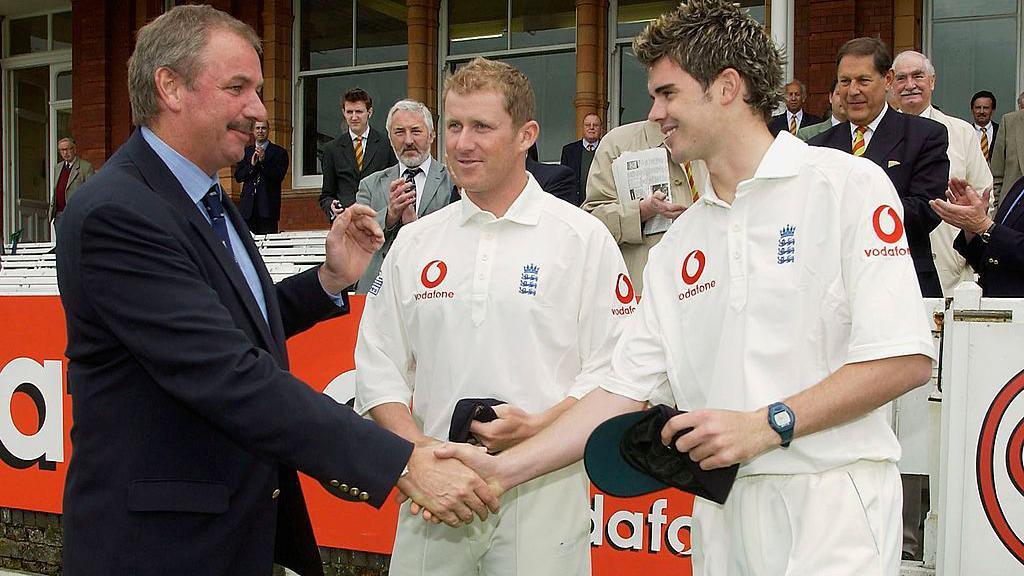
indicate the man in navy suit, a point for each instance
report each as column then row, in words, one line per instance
column 795, row 117
column 993, row 246
column 354, row 155
column 579, row 155
column 261, row 171
column 189, row 428
column 911, row 149
column 554, row 179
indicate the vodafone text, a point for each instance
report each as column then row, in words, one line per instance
column 698, row 289
column 643, row 532
column 886, row 251
column 43, row 385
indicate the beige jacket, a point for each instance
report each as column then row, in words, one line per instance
column 1008, row 153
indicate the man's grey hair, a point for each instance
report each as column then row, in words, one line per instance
column 411, row 106
column 803, row 87
column 175, row 40
column 67, row 139
column 928, row 68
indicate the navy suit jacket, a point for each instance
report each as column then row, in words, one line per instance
column 572, row 158
column 555, row 179
column 1000, row 262
column 779, row 122
column 912, row 151
column 188, row 427
column 261, row 184
column 341, row 176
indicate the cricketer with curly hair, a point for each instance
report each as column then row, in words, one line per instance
column 783, row 311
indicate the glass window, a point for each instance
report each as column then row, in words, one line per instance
column 633, row 15
column 31, row 115
column 634, row 102
column 477, row 26
column 322, row 120
column 62, row 31
column 63, row 85
column 325, row 34
column 28, row 35
column 962, row 8
column 972, row 55
column 543, row 23
column 381, row 32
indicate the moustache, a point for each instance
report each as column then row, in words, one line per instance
column 910, row 93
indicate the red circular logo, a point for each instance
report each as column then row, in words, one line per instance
column 897, row 226
column 1013, row 460
column 624, row 289
column 699, row 257
column 442, row 271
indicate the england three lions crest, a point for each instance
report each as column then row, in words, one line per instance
column 787, row 245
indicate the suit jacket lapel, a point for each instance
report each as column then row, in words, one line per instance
column 430, row 187
column 370, row 147
column 885, row 139
column 160, row 179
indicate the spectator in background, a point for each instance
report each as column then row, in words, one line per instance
column 914, row 82
column 625, row 220
column 68, row 174
column 983, row 106
column 261, row 171
column 1008, row 153
column 994, row 247
column 354, row 155
column 579, row 155
column 838, row 114
column 415, row 187
column 795, row 117
column 911, row 150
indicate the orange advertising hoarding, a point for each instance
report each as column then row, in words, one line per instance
column 650, row 533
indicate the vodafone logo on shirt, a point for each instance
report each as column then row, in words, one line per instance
column 888, row 228
column 626, row 295
column 431, row 277
column 691, row 272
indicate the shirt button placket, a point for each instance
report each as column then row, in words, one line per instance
column 482, row 273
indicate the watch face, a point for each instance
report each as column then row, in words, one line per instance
column 782, row 419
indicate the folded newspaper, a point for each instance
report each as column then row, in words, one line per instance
column 638, row 174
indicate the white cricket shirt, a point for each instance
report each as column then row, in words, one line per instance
column 525, row 308
column 748, row 304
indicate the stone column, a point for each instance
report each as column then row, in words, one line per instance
column 591, row 60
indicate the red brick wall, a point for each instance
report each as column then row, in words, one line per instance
column 300, row 210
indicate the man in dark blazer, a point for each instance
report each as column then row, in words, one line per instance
column 354, row 155
column 993, row 247
column 261, row 171
column 795, row 117
column 983, row 106
column 579, row 155
column 554, row 179
column 189, row 428
column 911, row 149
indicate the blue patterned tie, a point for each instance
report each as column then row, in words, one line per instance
column 215, row 210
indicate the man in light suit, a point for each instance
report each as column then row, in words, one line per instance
column 261, row 171
column 838, row 115
column 914, row 83
column 68, row 175
column 411, row 189
column 1008, row 154
column 911, row 150
column 795, row 117
column 354, row 155
column 189, row 428
column 579, row 155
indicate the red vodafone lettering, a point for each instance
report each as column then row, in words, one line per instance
column 699, row 257
column 442, row 271
column 897, row 229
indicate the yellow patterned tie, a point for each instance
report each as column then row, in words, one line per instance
column 858, row 141
column 984, row 144
column 694, row 196
column 359, row 153
column 792, row 125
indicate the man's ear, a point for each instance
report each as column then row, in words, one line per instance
column 528, row 134
column 169, row 87
column 728, row 86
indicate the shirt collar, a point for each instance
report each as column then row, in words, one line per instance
column 874, row 123
column 591, row 143
column 798, row 114
column 782, row 160
column 264, row 144
column 424, row 166
column 365, row 133
column 985, row 127
column 195, row 182
column 524, row 210
column 835, row 121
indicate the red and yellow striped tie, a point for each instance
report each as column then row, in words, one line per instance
column 858, row 141
column 984, row 144
column 694, row 195
column 792, row 125
column 359, row 153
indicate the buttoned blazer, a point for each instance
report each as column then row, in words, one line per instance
column 912, row 152
column 1000, row 262
column 554, row 179
column 341, row 176
column 261, row 183
column 780, row 122
column 1008, row 154
column 572, row 158
column 188, row 426
column 81, row 170
column 374, row 191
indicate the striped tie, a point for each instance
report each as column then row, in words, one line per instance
column 792, row 125
column 359, row 153
column 694, row 196
column 858, row 141
column 984, row 144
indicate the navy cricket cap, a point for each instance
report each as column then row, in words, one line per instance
column 468, row 410
column 624, row 457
